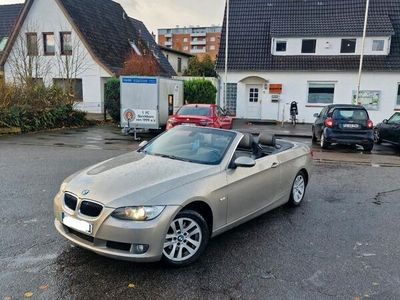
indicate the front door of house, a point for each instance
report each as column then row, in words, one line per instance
column 254, row 96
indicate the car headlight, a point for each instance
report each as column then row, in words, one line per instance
column 139, row 213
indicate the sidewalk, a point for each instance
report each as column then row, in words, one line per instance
column 300, row 131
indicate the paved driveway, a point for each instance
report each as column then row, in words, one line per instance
column 342, row 243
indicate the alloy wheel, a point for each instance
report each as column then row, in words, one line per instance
column 299, row 188
column 183, row 239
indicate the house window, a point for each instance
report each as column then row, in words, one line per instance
column 32, row 44
column 212, row 47
column 66, row 43
column 231, row 97
column 49, row 44
column 3, row 43
column 179, row 64
column 281, row 46
column 348, row 46
column 185, row 40
column 398, row 95
column 73, row 86
column 378, row 45
column 135, row 48
column 308, row 46
column 321, row 92
column 253, row 95
column 186, row 48
column 212, row 39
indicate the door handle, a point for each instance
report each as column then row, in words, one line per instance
column 275, row 165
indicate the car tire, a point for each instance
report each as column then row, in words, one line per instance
column 314, row 138
column 377, row 137
column 298, row 190
column 368, row 148
column 324, row 144
column 179, row 243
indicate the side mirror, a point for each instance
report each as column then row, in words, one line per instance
column 385, row 121
column 245, row 162
column 316, row 115
column 142, row 144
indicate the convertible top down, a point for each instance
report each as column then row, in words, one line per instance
column 165, row 200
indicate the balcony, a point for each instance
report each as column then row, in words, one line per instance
column 198, row 42
column 198, row 50
column 199, row 34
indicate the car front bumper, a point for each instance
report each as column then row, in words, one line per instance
column 116, row 238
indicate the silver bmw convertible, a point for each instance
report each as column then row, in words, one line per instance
column 168, row 198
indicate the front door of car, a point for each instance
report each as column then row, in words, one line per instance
column 393, row 129
column 251, row 189
column 319, row 123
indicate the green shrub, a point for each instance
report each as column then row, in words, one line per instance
column 37, row 107
column 112, row 99
column 200, row 91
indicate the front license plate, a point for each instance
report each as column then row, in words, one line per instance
column 76, row 224
column 351, row 126
column 188, row 124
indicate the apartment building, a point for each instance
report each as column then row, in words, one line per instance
column 197, row 41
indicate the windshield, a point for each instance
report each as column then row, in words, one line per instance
column 194, row 111
column 350, row 114
column 193, row 144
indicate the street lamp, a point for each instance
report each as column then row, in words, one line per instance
column 362, row 51
column 226, row 53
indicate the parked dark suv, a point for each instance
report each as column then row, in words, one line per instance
column 389, row 131
column 344, row 124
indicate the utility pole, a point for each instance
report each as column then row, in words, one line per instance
column 226, row 53
column 362, row 51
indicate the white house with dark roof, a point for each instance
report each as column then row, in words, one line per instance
column 87, row 40
column 309, row 51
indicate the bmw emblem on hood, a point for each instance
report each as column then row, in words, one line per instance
column 85, row 192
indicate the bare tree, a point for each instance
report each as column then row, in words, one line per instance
column 27, row 66
column 72, row 62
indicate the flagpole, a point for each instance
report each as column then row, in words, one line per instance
column 362, row 52
column 226, row 53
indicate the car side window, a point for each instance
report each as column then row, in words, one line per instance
column 323, row 113
column 395, row 119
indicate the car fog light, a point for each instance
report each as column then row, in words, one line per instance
column 140, row 248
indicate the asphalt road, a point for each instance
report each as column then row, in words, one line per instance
column 342, row 243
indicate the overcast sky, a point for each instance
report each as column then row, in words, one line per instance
column 169, row 13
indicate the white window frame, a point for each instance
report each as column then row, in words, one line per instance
column 309, row 83
column 135, row 48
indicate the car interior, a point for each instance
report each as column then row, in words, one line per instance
column 258, row 147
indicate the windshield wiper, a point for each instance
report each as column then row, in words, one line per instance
column 172, row 157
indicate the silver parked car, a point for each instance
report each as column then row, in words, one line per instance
column 165, row 200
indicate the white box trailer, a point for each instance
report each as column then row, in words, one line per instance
column 147, row 102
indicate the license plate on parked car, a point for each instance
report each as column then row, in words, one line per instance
column 351, row 126
column 188, row 124
column 76, row 224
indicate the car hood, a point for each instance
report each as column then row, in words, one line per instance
column 134, row 179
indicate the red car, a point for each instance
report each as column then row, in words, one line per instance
column 208, row 115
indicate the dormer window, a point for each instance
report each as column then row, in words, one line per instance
column 135, row 48
column 378, row 45
column 281, row 46
column 308, row 46
column 348, row 46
